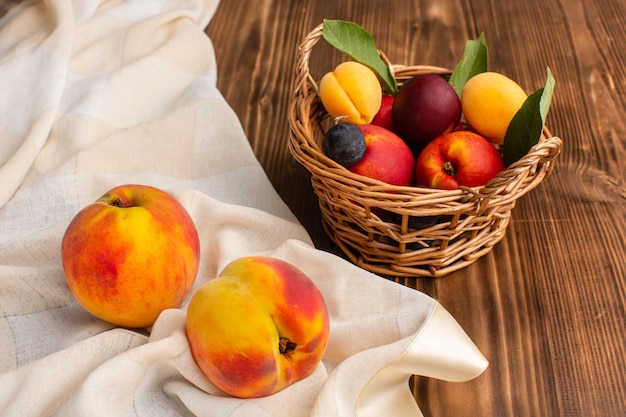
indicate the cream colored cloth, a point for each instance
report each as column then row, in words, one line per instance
column 97, row 94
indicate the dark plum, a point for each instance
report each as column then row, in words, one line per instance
column 344, row 143
column 425, row 107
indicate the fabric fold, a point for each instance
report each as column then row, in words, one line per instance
column 441, row 349
column 36, row 45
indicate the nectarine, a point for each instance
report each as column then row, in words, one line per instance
column 459, row 158
column 383, row 117
column 387, row 157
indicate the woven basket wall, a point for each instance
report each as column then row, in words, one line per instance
column 388, row 229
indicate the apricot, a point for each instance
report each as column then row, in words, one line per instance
column 489, row 101
column 351, row 92
column 131, row 254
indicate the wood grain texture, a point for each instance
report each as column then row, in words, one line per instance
column 547, row 305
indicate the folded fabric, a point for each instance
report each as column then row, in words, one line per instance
column 98, row 94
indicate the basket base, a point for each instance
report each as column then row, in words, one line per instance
column 384, row 259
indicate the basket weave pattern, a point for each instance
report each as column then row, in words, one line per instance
column 374, row 223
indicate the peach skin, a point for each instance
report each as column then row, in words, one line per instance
column 130, row 255
column 258, row 327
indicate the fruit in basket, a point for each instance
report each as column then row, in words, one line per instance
column 131, row 254
column 383, row 117
column 344, row 143
column 257, row 328
column 351, row 93
column 387, row 157
column 413, row 222
column 459, row 158
column 425, row 107
column 489, row 101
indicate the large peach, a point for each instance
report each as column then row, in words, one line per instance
column 257, row 328
column 351, row 92
column 489, row 101
column 387, row 157
column 131, row 254
column 459, row 158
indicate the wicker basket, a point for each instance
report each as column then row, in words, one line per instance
column 374, row 223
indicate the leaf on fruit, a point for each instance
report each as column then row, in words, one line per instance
column 475, row 60
column 358, row 44
column 526, row 127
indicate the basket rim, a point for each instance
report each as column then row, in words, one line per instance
column 306, row 150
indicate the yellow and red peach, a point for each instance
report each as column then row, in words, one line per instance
column 258, row 327
column 131, row 254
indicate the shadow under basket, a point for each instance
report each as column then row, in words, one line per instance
column 405, row 231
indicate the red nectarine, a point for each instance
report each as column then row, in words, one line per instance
column 459, row 158
column 387, row 157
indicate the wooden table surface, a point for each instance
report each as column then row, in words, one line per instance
column 547, row 305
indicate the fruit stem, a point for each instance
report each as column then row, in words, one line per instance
column 119, row 202
column 338, row 119
column 449, row 168
column 285, row 345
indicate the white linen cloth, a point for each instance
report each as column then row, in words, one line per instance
column 95, row 94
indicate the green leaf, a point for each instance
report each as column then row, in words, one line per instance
column 525, row 128
column 358, row 44
column 475, row 60
column 546, row 97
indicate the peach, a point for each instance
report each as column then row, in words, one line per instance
column 387, row 157
column 351, row 92
column 459, row 158
column 131, row 254
column 258, row 327
column 489, row 101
